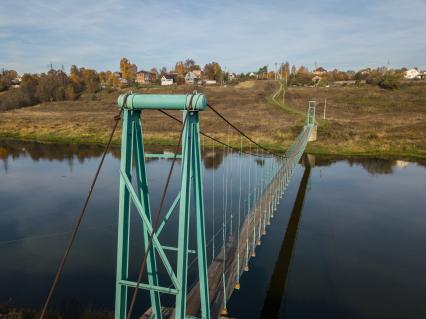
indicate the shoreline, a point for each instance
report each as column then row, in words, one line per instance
column 310, row 149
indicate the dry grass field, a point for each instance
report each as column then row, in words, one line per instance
column 364, row 120
column 368, row 120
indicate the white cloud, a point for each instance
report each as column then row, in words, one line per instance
column 242, row 36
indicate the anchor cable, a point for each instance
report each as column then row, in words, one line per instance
column 82, row 212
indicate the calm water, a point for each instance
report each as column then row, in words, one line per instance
column 356, row 250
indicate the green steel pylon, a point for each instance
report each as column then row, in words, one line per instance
column 132, row 148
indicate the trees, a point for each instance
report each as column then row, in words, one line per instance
column 163, row 71
column 128, row 70
column 284, row 70
column 6, row 78
column 180, row 68
column 213, row 71
column 302, row 76
column 293, row 70
column 91, row 80
column 190, row 65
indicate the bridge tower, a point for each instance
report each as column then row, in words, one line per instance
column 191, row 186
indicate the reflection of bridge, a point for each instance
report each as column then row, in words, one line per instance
column 217, row 280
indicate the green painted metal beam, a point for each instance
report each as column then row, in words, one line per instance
column 164, row 290
column 196, row 102
column 162, row 156
column 190, row 251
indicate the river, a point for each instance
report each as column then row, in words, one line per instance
column 354, row 247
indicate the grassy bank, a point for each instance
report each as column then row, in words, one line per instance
column 359, row 121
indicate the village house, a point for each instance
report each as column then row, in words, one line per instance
column 191, row 78
column 232, row 76
column 412, row 74
column 144, row 77
column 320, row 71
column 198, row 73
column 169, row 79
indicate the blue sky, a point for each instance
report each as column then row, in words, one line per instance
column 241, row 35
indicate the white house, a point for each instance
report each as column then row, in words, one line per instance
column 166, row 80
column 232, row 76
column 191, row 78
column 412, row 74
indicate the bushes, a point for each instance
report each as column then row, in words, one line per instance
column 391, row 81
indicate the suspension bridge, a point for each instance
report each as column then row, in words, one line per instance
column 218, row 274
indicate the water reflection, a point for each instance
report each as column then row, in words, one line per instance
column 360, row 236
column 277, row 283
column 10, row 149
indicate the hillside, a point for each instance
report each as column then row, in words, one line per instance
column 364, row 120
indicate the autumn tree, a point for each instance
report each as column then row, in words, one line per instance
column 302, row 76
column 190, row 65
column 180, row 68
column 293, row 70
column 213, row 71
column 6, row 78
column 104, row 76
column 91, row 80
column 128, row 70
column 285, row 70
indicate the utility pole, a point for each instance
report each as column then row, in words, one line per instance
column 276, row 70
column 325, row 106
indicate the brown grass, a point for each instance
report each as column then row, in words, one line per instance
column 368, row 119
column 365, row 120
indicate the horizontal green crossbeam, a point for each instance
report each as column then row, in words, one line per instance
column 161, row 289
column 171, row 155
column 175, row 249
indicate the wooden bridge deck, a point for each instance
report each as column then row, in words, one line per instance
column 255, row 218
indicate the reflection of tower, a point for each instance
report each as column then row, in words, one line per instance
column 6, row 165
column 277, row 284
column 71, row 163
column 4, row 154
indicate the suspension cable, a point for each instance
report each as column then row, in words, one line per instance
column 242, row 133
column 206, row 135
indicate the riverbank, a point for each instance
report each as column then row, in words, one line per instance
column 364, row 121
